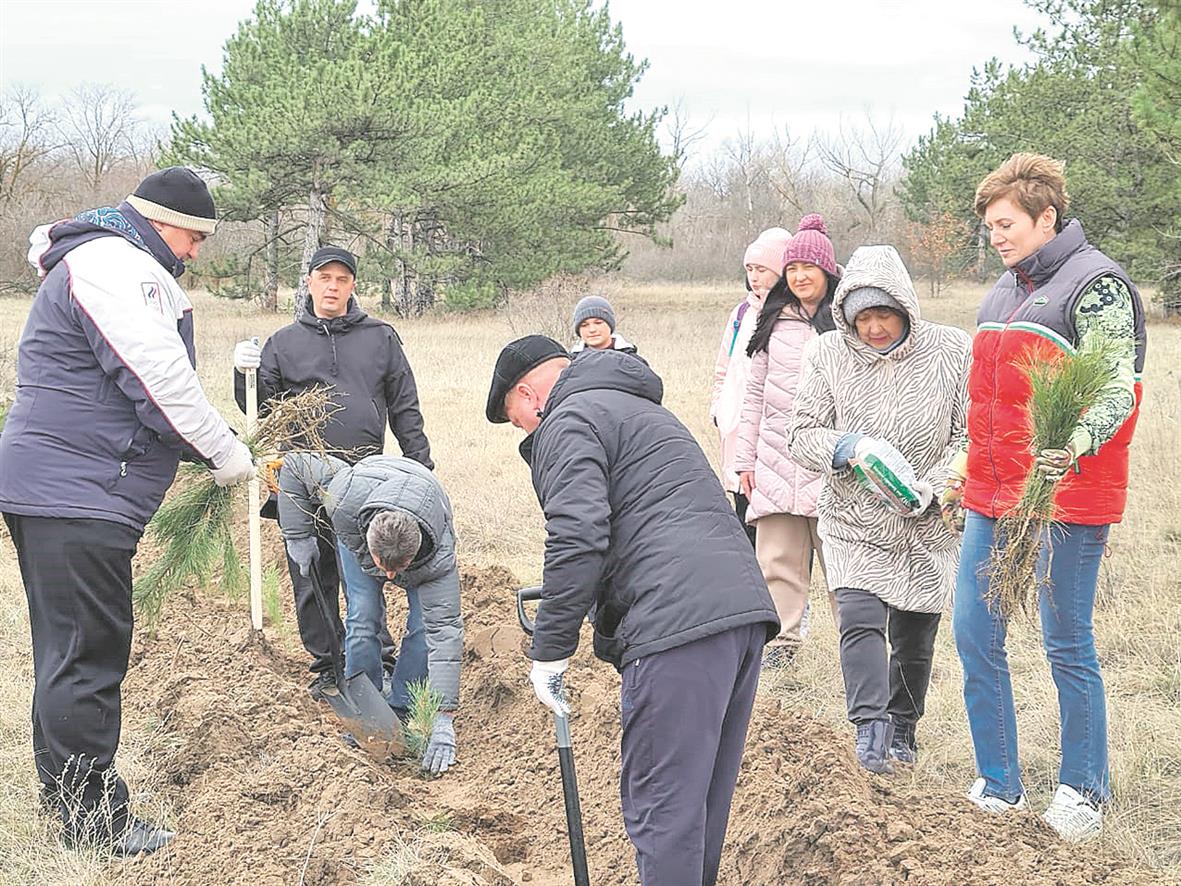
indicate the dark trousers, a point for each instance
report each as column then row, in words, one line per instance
column 77, row 578
column 685, row 713
column 874, row 686
column 313, row 632
column 741, row 503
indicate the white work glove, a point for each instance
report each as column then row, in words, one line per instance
column 440, row 750
column 238, row 467
column 247, row 355
column 548, row 682
column 303, row 553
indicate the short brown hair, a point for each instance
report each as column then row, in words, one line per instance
column 1032, row 181
column 394, row 538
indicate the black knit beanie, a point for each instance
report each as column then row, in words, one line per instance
column 176, row 196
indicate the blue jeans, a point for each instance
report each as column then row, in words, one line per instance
column 1071, row 553
column 365, row 597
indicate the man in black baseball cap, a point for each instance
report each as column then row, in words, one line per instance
column 326, row 255
column 337, row 346
column 332, row 277
column 639, row 532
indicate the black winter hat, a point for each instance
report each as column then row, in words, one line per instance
column 326, row 255
column 515, row 360
column 176, row 196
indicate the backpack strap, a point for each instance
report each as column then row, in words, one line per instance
column 742, row 308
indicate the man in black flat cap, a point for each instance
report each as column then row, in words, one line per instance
column 336, row 345
column 639, row 530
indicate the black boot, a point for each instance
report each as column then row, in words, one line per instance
column 138, row 837
column 873, row 745
column 903, row 746
column 141, row 838
column 324, row 684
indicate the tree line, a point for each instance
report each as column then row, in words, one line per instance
column 470, row 150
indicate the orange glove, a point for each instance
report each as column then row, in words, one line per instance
column 270, row 473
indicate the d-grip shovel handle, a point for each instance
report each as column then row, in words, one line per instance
column 526, row 595
column 565, row 762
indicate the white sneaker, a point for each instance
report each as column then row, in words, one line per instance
column 992, row 804
column 1073, row 816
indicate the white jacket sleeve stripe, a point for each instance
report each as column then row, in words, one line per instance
column 133, row 334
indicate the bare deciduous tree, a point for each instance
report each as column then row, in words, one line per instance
column 791, row 171
column 866, row 158
column 744, row 155
column 98, row 127
column 682, row 132
column 25, row 137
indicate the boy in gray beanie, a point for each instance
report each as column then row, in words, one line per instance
column 594, row 324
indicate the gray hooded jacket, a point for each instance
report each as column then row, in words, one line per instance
column 352, row 497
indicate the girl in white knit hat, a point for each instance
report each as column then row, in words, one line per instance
column 763, row 265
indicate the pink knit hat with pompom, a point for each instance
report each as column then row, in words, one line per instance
column 767, row 250
column 811, row 244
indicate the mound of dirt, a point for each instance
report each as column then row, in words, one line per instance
column 266, row 793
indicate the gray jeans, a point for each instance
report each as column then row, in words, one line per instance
column 874, row 684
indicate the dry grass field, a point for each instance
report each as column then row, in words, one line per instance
column 1138, row 619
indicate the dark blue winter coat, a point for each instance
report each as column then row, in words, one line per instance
column 107, row 397
column 637, row 524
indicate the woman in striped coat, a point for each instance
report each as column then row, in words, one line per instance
column 884, row 380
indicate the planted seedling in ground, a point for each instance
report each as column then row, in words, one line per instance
column 424, row 707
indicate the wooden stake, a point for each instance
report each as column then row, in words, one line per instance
column 254, row 505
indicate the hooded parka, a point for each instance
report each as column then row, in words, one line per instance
column 352, row 497
column 914, row 397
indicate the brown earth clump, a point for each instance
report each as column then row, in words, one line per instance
column 265, row 792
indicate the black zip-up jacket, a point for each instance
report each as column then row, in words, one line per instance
column 638, row 526
column 361, row 358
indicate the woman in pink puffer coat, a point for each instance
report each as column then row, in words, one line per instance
column 782, row 494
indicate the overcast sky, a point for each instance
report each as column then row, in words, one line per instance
column 744, row 63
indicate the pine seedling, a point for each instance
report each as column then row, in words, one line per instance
column 194, row 526
column 424, row 707
column 1061, row 390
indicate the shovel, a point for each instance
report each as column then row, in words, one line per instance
column 565, row 762
column 356, row 701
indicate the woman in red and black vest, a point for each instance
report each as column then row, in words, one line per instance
column 1058, row 289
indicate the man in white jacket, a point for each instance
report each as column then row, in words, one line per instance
column 107, row 404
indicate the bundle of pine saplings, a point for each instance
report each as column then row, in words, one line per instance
column 1061, row 390
column 194, row 527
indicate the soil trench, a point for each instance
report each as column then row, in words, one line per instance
column 265, row 792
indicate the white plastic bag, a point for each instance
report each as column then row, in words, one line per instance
column 885, row 472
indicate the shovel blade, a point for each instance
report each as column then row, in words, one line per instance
column 368, row 716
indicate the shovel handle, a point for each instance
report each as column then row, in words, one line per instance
column 526, row 595
column 334, row 639
column 573, row 805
